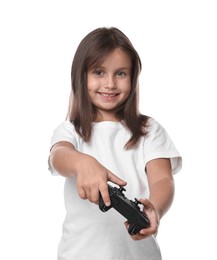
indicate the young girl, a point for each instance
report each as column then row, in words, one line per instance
column 106, row 139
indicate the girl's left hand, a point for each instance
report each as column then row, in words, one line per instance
column 153, row 216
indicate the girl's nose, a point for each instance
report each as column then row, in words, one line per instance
column 110, row 83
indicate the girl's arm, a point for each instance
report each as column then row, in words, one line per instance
column 161, row 186
column 91, row 176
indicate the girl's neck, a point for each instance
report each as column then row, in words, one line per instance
column 108, row 117
column 107, row 120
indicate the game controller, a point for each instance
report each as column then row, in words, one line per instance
column 127, row 208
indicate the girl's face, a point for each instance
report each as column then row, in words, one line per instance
column 109, row 84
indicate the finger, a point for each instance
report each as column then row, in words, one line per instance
column 148, row 206
column 146, row 232
column 115, row 179
column 138, row 236
column 105, row 194
column 146, row 203
column 82, row 193
column 127, row 225
column 134, row 237
column 94, row 196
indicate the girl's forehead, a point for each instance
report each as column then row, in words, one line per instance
column 115, row 56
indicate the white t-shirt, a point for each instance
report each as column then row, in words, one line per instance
column 89, row 233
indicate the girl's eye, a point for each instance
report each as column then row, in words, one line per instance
column 98, row 72
column 121, row 74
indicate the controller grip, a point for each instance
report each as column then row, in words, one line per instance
column 133, row 229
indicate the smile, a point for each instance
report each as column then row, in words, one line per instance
column 108, row 95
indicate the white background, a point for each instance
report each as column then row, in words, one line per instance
column 177, row 43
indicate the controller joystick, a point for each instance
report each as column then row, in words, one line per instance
column 121, row 189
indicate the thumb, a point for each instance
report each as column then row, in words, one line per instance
column 115, row 179
column 146, row 203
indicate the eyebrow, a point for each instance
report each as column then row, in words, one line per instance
column 102, row 67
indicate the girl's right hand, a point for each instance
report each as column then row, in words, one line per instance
column 92, row 178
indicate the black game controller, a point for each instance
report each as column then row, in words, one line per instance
column 127, row 208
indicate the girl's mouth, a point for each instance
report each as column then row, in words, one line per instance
column 107, row 95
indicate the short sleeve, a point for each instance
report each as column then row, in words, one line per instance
column 64, row 132
column 158, row 144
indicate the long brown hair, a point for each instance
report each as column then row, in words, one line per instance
column 91, row 52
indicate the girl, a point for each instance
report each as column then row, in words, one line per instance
column 106, row 139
